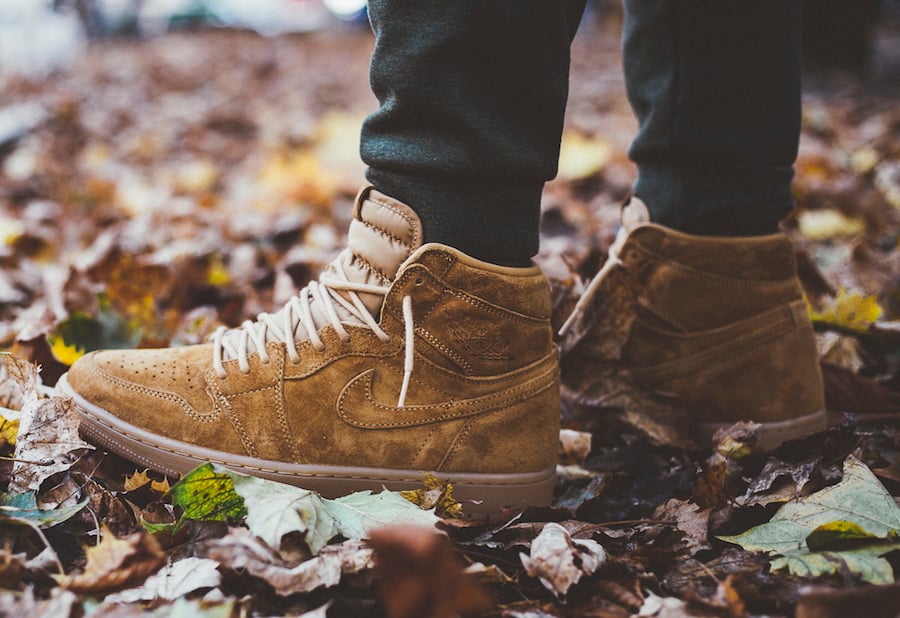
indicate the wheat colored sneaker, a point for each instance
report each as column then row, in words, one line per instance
column 401, row 359
column 692, row 331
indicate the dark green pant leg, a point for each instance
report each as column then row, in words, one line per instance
column 716, row 87
column 472, row 95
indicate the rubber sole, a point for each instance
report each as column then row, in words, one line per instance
column 484, row 496
column 770, row 435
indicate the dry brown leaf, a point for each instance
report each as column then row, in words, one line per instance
column 690, row 519
column 240, row 549
column 47, row 436
column 575, row 446
column 115, row 564
column 421, row 575
column 559, row 561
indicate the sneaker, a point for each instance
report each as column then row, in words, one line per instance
column 400, row 360
column 681, row 331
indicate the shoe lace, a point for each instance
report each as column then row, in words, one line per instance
column 333, row 287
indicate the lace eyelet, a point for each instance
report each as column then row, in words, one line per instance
column 419, row 281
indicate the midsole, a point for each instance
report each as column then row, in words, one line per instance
column 773, row 433
column 174, row 457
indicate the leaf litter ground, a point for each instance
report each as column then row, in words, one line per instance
column 164, row 187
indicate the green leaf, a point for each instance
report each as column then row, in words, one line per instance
column 24, row 506
column 857, row 508
column 864, row 561
column 275, row 509
column 361, row 512
column 207, row 493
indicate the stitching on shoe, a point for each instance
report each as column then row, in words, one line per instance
column 493, row 401
column 484, row 306
column 180, row 401
column 239, row 427
column 407, row 218
column 457, row 444
column 456, row 358
column 425, row 442
column 378, row 274
column 385, row 234
column 281, row 415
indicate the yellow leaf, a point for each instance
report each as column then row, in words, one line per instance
column 581, row 156
column 218, row 274
column 10, row 230
column 136, row 480
column 435, row 495
column 141, row 478
column 63, row 352
column 864, row 160
column 829, row 223
column 8, row 430
column 851, row 311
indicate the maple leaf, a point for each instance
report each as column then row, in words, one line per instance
column 115, row 564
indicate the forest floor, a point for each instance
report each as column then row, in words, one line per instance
column 163, row 187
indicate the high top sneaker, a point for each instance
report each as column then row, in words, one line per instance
column 684, row 331
column 401, row 359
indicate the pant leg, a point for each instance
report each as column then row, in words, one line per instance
column 472, row 95
column 715, row 85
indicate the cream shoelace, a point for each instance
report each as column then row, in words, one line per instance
column 235, row 343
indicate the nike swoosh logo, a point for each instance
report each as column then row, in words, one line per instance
column 357, row 405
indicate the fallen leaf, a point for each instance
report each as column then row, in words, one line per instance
column 581, row 156
column 575, row 446
column 858, row 499
column 778, row 481
column 172, row 581
column 46, row 442
column 435, row 495
column 828, row 223
column 851, row 311
column 241, row 549
column 358, row 514
column 9, row 428
column 276, row 509
column 421, row 575
column 115, row 564
column 207, row 493
column 559, row 561
column 24, row 506
column 141, row 478
column 690, row 519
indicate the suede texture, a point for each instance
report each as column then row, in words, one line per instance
column 484, row 361
column 717, row 326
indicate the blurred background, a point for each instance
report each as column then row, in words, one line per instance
column 167, row 166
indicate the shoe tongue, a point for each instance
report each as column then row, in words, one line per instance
column 383, row 234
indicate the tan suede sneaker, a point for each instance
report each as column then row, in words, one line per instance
column 695, row 331
column 401, row 359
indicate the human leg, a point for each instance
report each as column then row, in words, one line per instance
column 697, row 317
column 472, row 97
column 407, row 355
